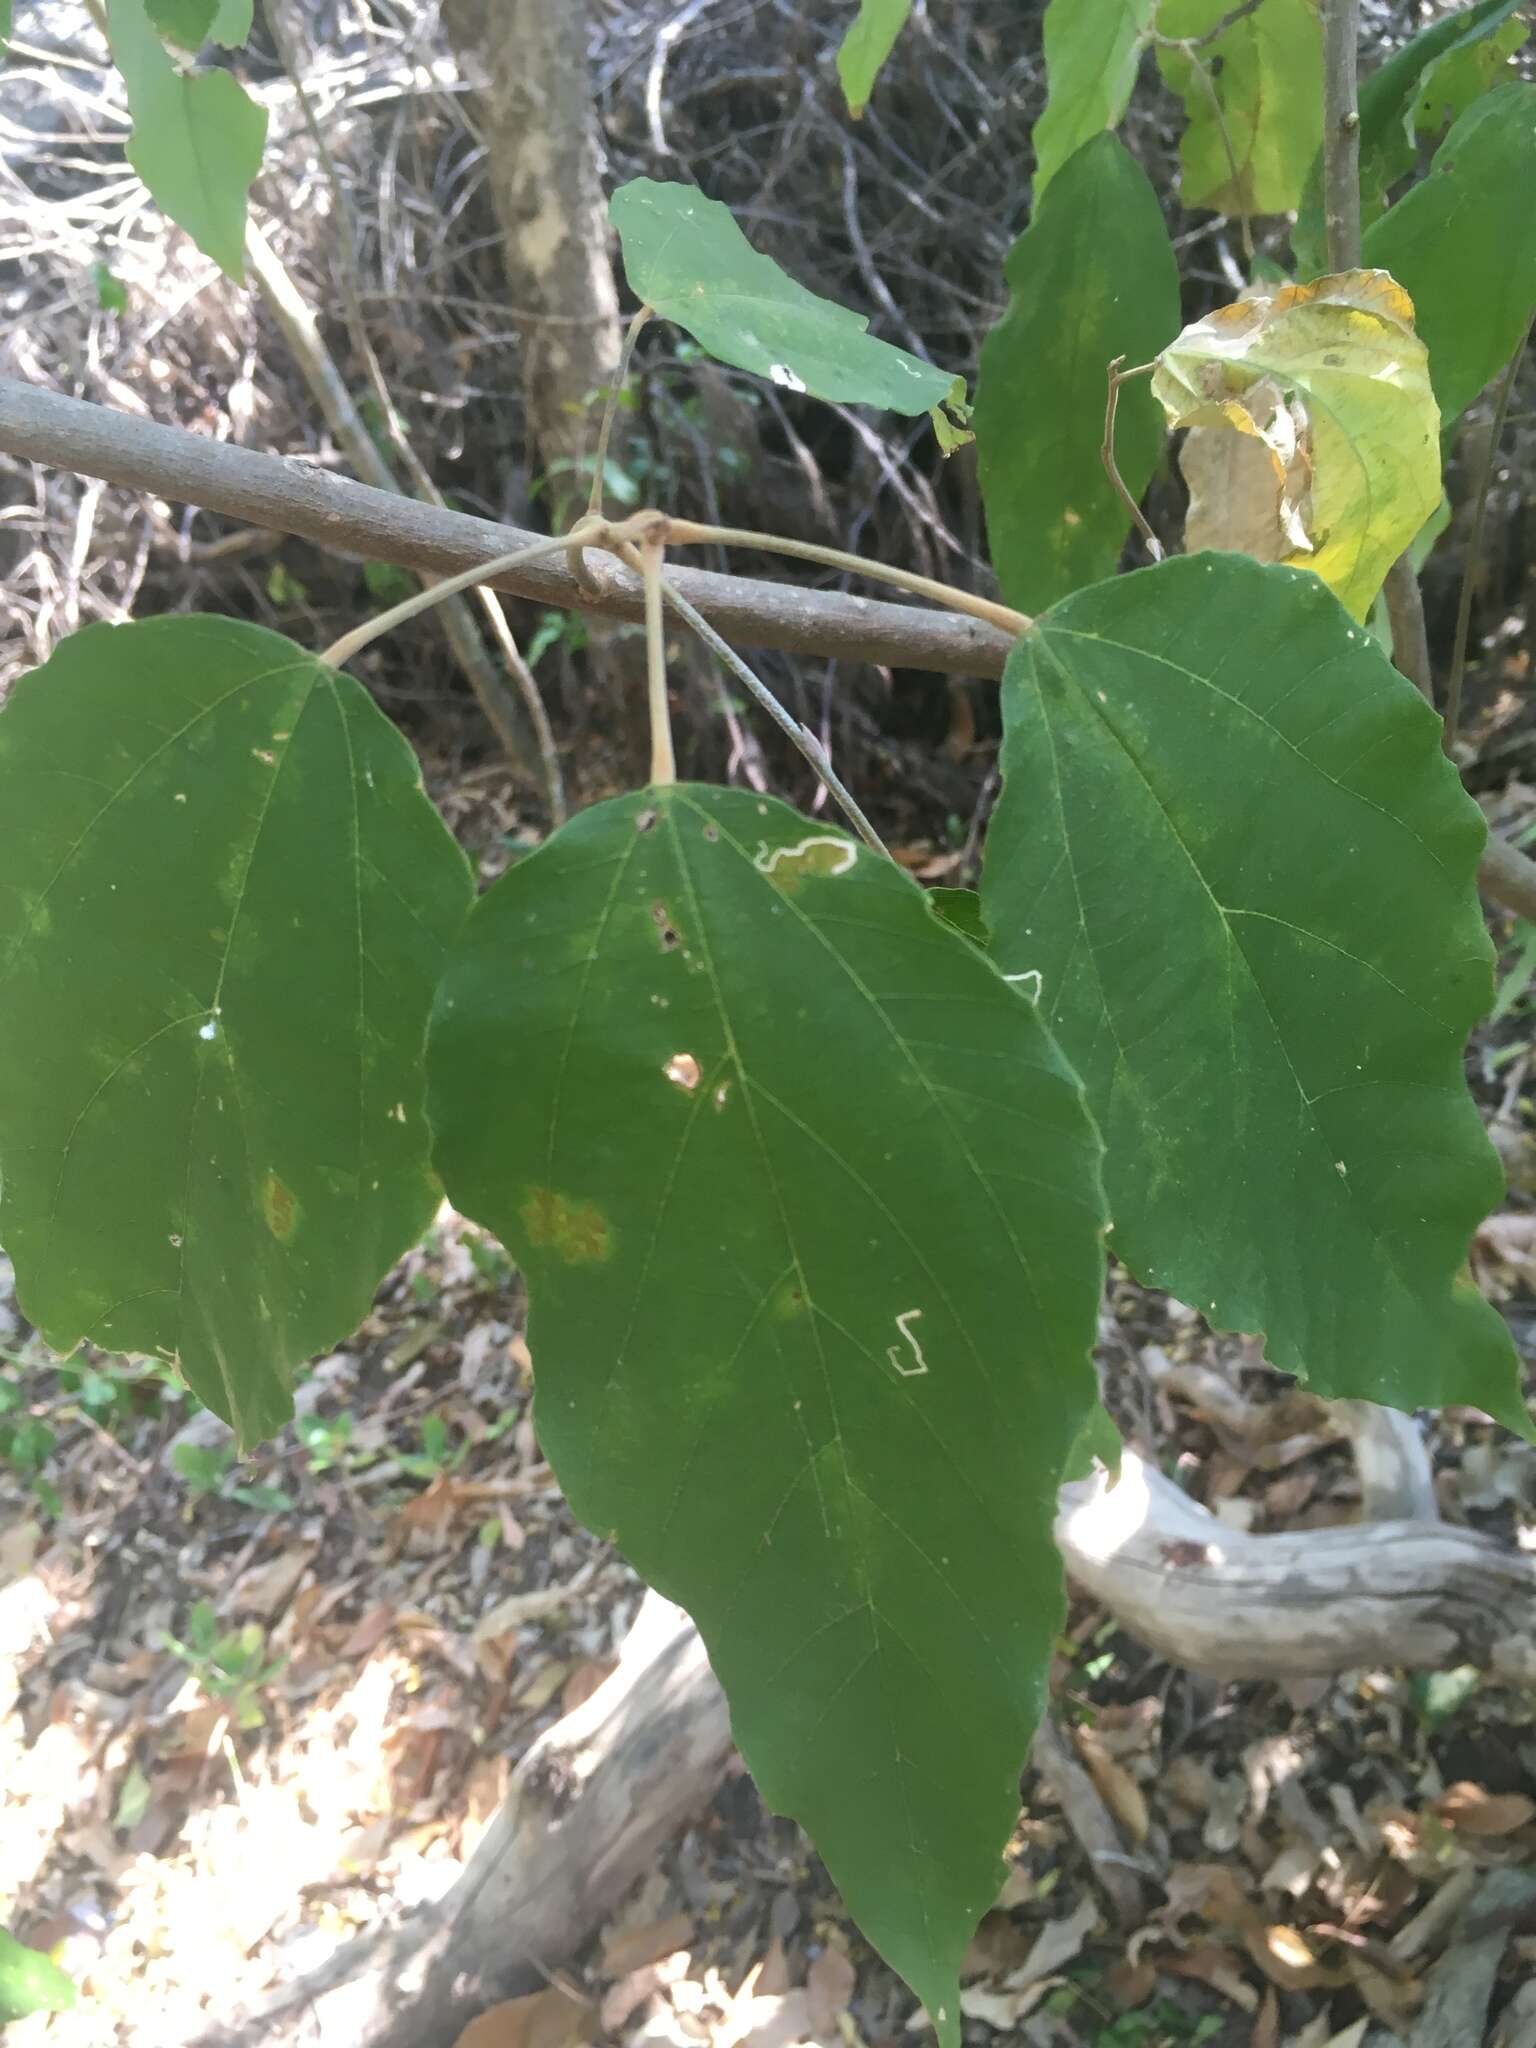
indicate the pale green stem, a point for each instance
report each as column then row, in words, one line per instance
column 341, row 651
column 663, row 761
column 688, row 532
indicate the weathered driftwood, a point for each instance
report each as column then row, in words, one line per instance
column 1304, row 1603
column 590, row 1807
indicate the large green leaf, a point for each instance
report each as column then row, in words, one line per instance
column 1389, row 98
column 224, row 902
column 1256, row 114
column 191, row 23
column 863, row 51
column 1092, row 277
column 1464, row 246
column 1092, row 50
column 197, row 137
column 30, row 1981
column 808, row 1206
column 1231, row 848
column 685, row 256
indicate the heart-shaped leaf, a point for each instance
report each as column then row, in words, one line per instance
column 224, row 903
column 685, row 256
column 807, row 1202
column 1232, row 850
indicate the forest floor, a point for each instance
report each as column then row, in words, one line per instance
column 248, row 1709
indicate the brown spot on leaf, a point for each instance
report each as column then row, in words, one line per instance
column 644, row 820
column 666, row 931
column 682, row 1070
column 280, row 1207
column 574, row 1231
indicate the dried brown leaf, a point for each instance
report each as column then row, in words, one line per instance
column 545, row 2019
column 829, row 1986
column 630, row 1948
column 1471, row 1810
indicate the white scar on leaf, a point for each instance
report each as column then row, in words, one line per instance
column 821, row 854
column 919, row 1366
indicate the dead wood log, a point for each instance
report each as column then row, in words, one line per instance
column 1302, row 1603
column 590, row 1807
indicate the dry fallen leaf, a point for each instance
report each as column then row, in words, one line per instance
column 1115, row 1786
column 1288, row 1959
column 630, row 1948
column 546, row 2019
column 829, row 1987
column 1471, row 1811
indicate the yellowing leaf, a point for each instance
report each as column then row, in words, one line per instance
column 1332, row 384
column 1254, row 98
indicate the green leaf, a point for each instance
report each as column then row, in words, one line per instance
column 5, row 20
column 1265, row 76
column 1466, row 71
column 183, row 22
column 685, row 256
column 231, row 24
column 1097, row 1442
column 1231, row 847
column 30, row 1982
column 1464, row 253
column 1092, row 51
column 862, row 53
column 1092, row 277
column 1388, row 99
column 961, row 909
column 807, row 1204
column 111, row 293
column 197, row 138
column 1331, row 380
column 224, row 903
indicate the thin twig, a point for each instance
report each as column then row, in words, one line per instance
column 342, row 650
column 798, row 735
column 1190, row 48
column 1214, row 35
column 690, row 533
column 1473, row 562
column 1117, row 377
column 610, row 410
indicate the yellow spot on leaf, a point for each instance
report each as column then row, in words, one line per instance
column 280, row 1207
column 576, row 1232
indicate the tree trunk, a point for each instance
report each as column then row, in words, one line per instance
column 527, row 60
